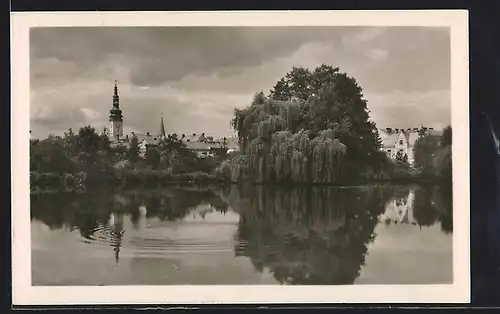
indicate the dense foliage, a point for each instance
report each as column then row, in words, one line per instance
column 433, row 156
column 312, row 125
column 90, row 157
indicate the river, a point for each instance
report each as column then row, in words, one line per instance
column 243, row 236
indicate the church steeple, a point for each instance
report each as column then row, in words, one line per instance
column 115, row 116
column 162, row 128
column 116, row 112
column 116, row 98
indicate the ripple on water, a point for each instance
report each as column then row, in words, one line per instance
column 135, row 243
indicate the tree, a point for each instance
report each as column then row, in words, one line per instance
column 49, row 156
column 323, row 100
column 301, row 83
column 88, row 140
column 446, row 137
column 443, row 158
column 119, row 153
column 71, row 143
column 405, row 158
column 153, row 157
column 426, row 148
column 281, row 91
column 402, row 157
column 333, row 100
column 259, row 98
column 172, row 143
column 104, row 143
column 133, row 153
column 433, row 156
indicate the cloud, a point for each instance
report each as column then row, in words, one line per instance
column 161, row 54
column 55, row 119
column 90, row 114
column 378, row 54
column 184, row 111
column 411, row 109
column 197, row 76
column 366, row 34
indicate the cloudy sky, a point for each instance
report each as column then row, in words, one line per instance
column 197, row 76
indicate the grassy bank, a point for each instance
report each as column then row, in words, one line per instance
column 129, row 179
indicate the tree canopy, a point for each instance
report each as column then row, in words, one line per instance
column 433, row 156
column 311, row 125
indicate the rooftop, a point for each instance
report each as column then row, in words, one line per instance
column 390, row 136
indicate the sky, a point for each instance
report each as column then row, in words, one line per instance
column 197, row 76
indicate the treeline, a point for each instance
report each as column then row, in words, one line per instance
column 78, row 161
column 314, row 127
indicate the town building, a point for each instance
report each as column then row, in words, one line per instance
column 400, row 143
column 203, row 145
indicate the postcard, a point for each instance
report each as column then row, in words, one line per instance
column 240, row 157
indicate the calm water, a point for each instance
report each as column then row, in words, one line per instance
column 326, row 235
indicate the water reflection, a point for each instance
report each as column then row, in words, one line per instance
column 309, row 236
column 303, row 236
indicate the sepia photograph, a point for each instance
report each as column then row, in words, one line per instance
column 227, row 153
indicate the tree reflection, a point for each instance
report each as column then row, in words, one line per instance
column 73, row 211
column 89, row 211
column 434, row 204
column 443, row 199
column 425, row 212
column 308, row 235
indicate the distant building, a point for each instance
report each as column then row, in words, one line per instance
column 400, row 143
column 202, row 144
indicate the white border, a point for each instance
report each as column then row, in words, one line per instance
column 25, row 294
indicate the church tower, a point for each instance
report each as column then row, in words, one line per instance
column 116, row 117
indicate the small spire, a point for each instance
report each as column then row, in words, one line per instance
column 162, row 127
column 116, row 98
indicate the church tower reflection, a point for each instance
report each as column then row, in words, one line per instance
column 117, row 230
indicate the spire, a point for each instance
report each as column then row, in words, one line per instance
column 162, row 127
column 116, row 98
column 116, row 112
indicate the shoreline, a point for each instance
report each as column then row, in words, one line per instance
column 207, row 180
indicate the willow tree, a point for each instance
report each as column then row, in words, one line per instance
column 272, row 151
column 312, row 124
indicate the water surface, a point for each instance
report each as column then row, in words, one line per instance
column 257, row 235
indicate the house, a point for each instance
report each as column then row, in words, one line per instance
column 232, row 144
column 202, row 149
column 400, row 143
column 205, row 145
column 146, row 140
